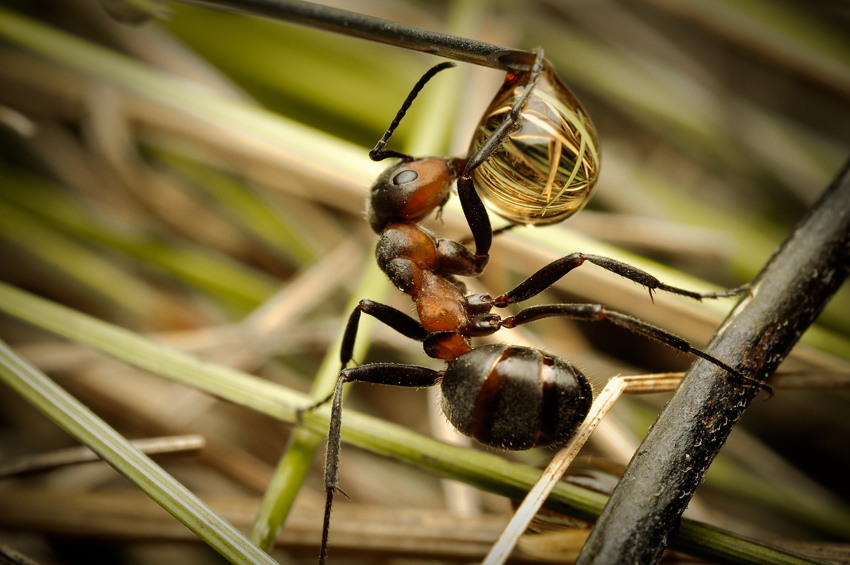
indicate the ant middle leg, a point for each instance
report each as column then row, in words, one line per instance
column 496, row 232
column 554, row 271
column 396, row 319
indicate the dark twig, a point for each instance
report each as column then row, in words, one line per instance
column 382, row 31
column 788, row 295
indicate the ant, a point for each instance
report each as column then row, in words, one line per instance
column 503, row 396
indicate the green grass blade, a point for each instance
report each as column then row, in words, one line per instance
column 113, row 448
column 240, row 202
column 78, row 266
column 232, row 283
column 91, row 59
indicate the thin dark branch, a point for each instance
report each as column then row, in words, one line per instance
column 645, row 509
column 382, row 31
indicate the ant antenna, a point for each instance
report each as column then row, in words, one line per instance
column 379, row 153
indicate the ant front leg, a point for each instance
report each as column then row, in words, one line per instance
column 477, row 219
column 473, row 207
column 376, row 373
column 554, row 271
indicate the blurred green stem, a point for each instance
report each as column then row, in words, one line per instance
column 113, row 448
column 295, row 463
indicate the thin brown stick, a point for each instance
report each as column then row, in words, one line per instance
column 76, row 455
column 643, row 384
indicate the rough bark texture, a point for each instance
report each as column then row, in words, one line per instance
column 788, row 295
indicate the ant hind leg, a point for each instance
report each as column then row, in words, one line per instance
column 376, row 373
column 597, row 312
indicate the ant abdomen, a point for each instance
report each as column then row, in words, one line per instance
column 515, row 398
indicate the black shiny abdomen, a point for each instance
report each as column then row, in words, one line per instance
column 515, row 397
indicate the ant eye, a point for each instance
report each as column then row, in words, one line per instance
column 405, row 177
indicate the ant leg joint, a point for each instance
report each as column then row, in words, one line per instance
column 479, row 302
column 299, row 412
column 340, row 491
column 743, row 290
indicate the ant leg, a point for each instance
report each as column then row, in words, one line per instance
column 554, row 271
column 597, row 312
column 506, row 127
column 377, row 373
column 397, row 320
column 380, row 373
column 477, row 219
column 470, row 201
column 496, row 232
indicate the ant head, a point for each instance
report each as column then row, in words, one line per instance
column 408, row 191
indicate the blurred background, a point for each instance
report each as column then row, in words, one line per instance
column 200, row 178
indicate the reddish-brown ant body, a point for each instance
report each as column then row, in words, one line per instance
column 503, row 396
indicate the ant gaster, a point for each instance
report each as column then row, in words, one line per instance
column 503, row 396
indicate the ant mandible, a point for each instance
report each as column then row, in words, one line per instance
column 503, row 396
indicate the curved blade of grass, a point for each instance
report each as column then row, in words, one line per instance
column 188, row 97
column 77, row 265
column 113, row 448
column 483, row 470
